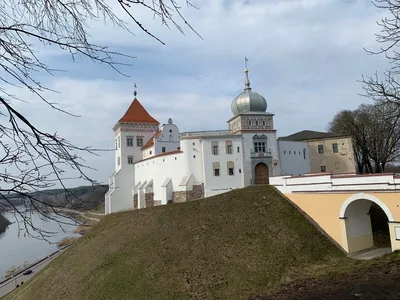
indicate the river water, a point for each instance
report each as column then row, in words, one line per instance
column 16, row 250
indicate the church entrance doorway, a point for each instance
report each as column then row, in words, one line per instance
column 261, row 174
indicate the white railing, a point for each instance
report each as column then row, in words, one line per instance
column 336, row 183
column 204, row 133
column 261, row 154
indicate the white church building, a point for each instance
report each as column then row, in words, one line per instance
column 156, row 165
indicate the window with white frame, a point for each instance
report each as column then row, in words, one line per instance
column 216, row 168
column 228, row 147
column 119, row 160
column 129, row 141
column 259, row 147
column 119, row 142
column 130, row 160
column 320, row 149
column 230, row 166
column 260, row 143
column 139, row 141
column 335, row 148
column 214, row 148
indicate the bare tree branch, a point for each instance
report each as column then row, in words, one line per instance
column 33, row 160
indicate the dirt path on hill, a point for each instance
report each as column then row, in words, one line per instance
column 378, row 282
column 78, row 212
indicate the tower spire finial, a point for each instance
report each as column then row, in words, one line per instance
column 246, row 71
column 134, row 91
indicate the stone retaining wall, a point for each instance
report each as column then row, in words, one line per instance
column 149, row 199
column 184, row 196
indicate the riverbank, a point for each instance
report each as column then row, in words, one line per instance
column 20, row 247
column 4, row 222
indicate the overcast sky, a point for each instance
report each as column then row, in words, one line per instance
column 305, row 57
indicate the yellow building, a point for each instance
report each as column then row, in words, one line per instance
column 327, row 152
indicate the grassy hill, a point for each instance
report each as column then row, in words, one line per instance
column 233, row 246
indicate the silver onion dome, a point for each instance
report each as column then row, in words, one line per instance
column 248, row 101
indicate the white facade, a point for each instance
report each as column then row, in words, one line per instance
column 294, row 157
column 170, row 166
column 227, row 162
column 164, row 140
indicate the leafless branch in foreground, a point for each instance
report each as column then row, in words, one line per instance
column 32, row 160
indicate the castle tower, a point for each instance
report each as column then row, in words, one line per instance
column 132, row 132
column 255, row 124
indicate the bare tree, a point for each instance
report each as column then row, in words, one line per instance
column 32, row 160
column 386, row 87
column 384, row 133
column 375, row 131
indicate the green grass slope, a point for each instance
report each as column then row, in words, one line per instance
column 232, row 246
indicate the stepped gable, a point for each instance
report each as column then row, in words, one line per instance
column 136, row 113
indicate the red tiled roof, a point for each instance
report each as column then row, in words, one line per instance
column 138, row 114
column 151, row 141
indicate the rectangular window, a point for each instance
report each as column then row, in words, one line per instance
column 335, row 148
column 129, row 141
column 116, row 144
column 320, row 149
column 259, row 147
column 119, row 160
column 119, row 142
column 215, row 150
column 323, row 169
column 216, row 167
column 304, row 153
column 238, row 149
column 230, row 165
column 130, row 160
column 163, row 149
column 228, row 149
column 139, row 141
